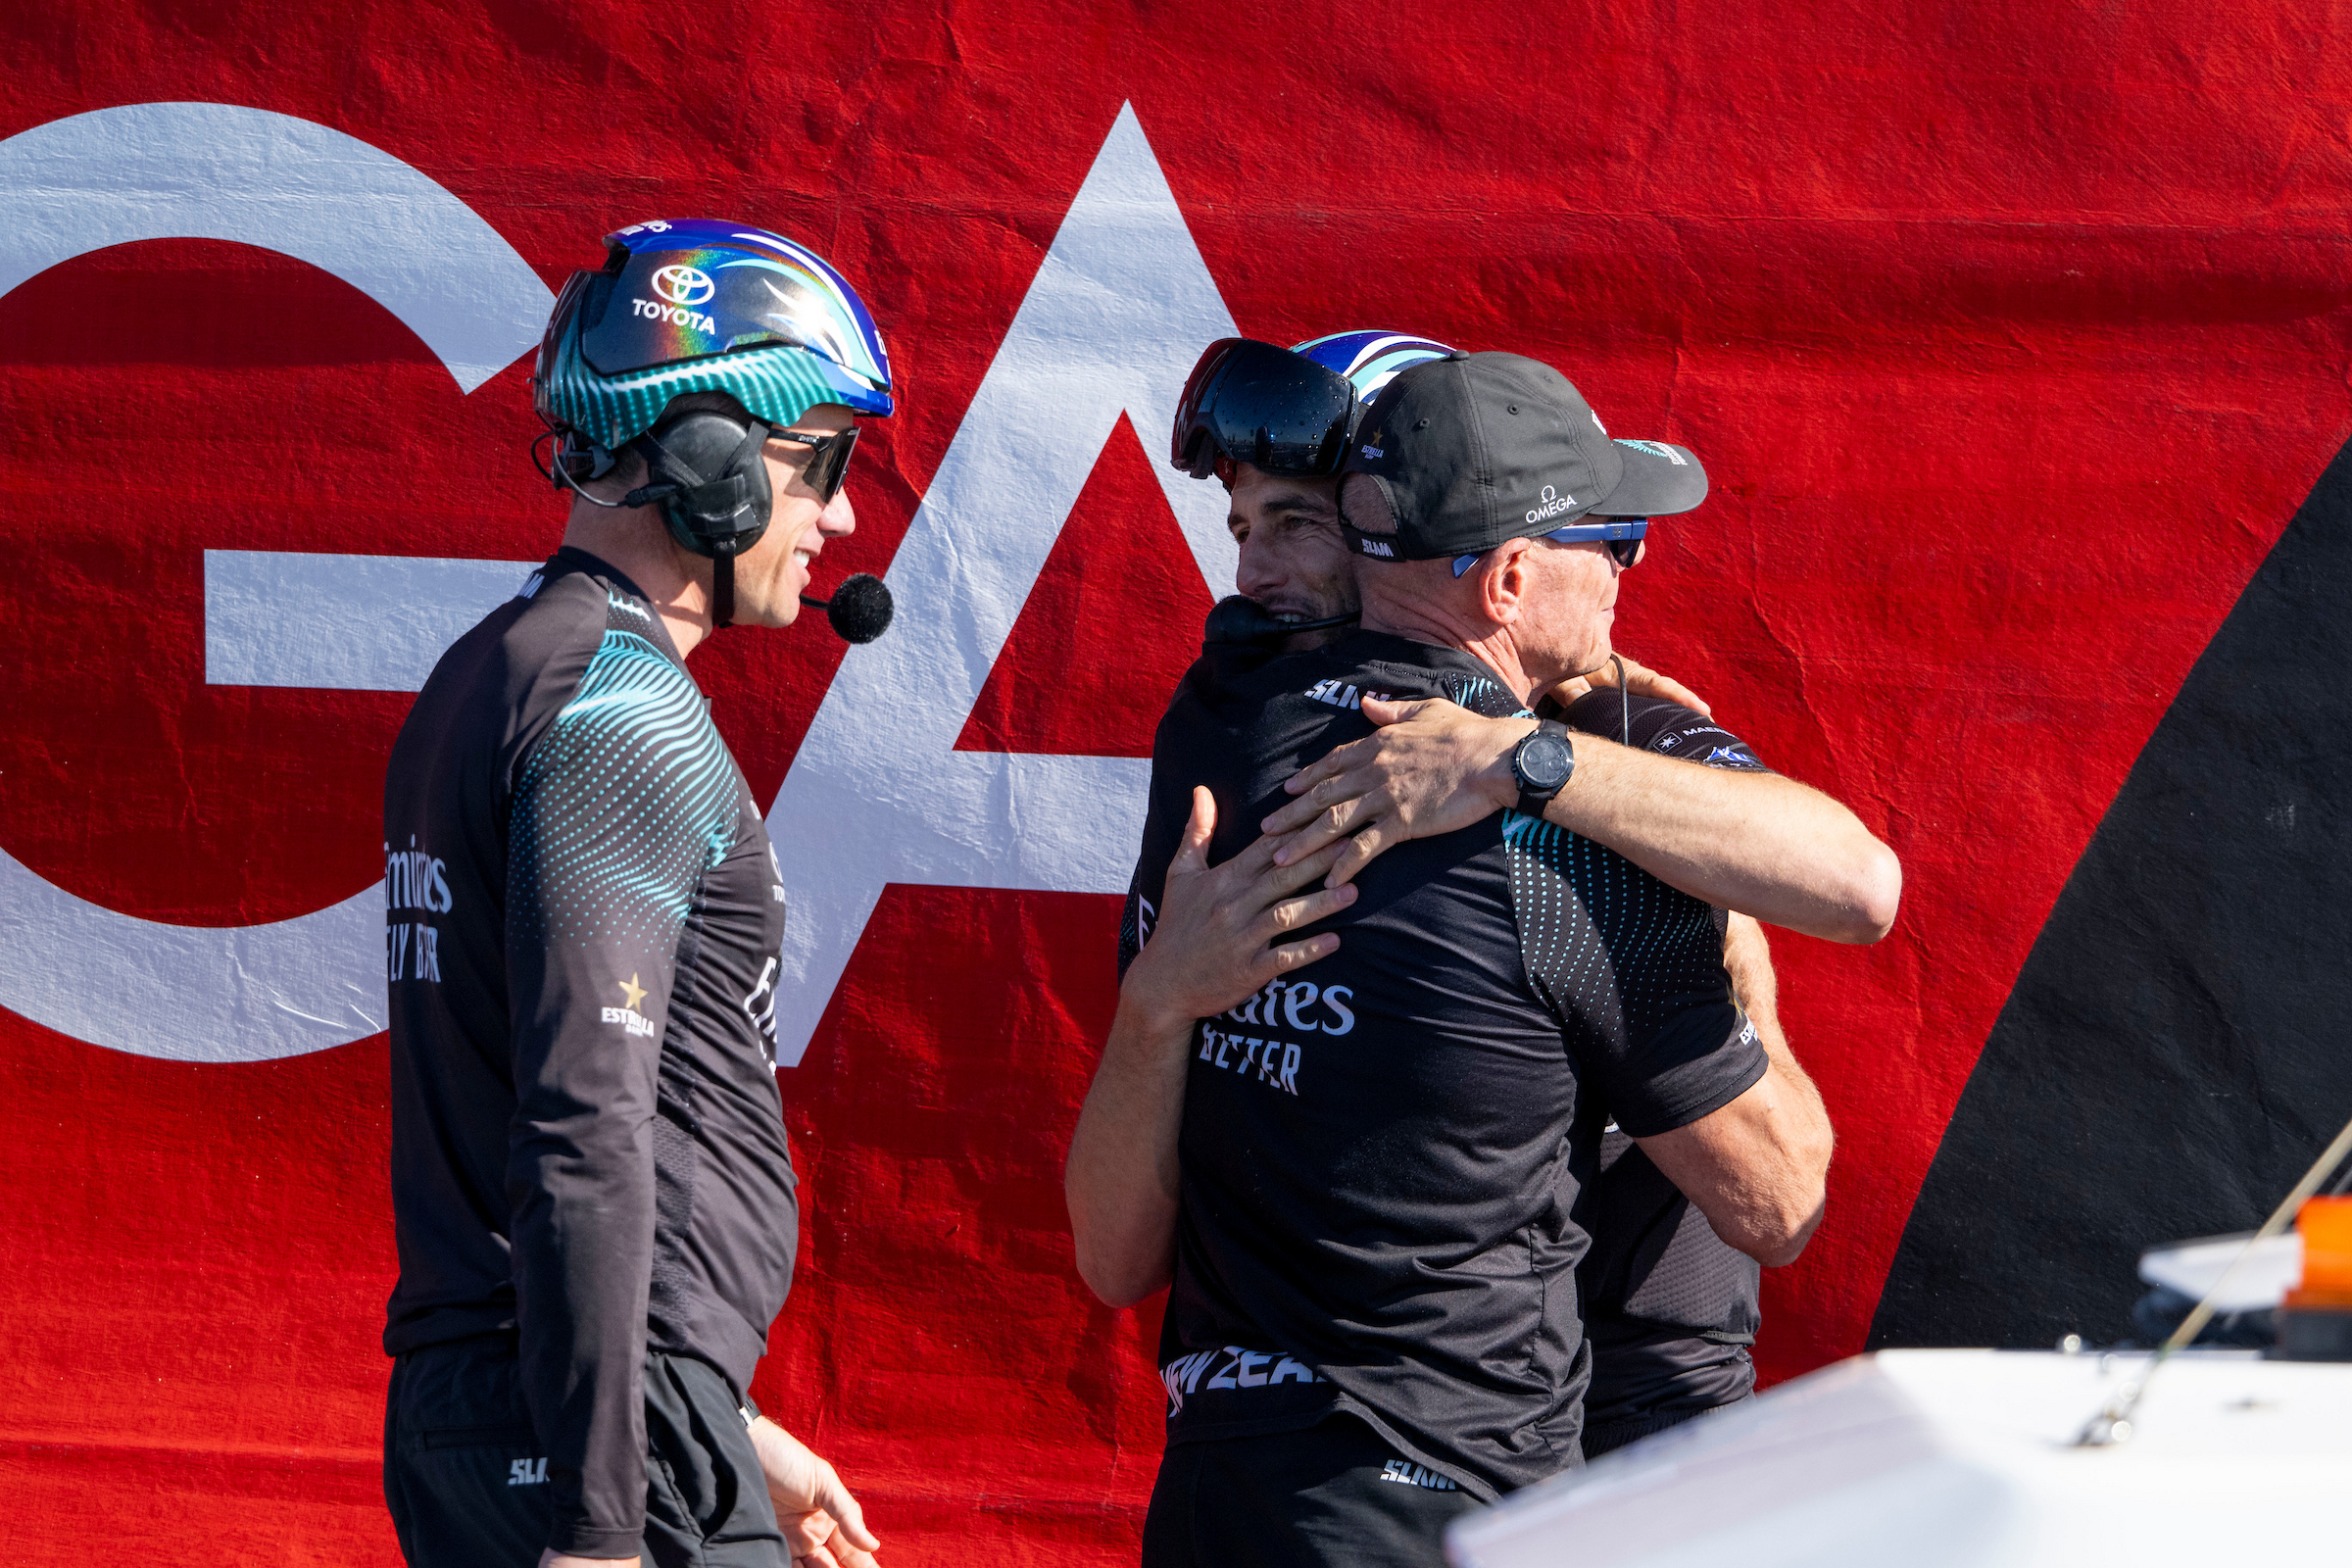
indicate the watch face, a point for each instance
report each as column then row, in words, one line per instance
column 1545, row 760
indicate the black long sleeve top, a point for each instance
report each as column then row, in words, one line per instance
column 582, row 925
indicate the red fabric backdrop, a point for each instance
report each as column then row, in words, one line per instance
column 2012, row 336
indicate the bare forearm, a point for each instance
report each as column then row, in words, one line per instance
column 1747, row 962
column 1758, row 843
column 1776, row 1201
column 1755, row 1167
column 1741, row 840
column 1120, row 1180
column 1792, row 1072
column 1793, row 1194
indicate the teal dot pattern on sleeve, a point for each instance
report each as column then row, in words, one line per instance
column 1613, row 952
column 1608, row 946
column 625, row 804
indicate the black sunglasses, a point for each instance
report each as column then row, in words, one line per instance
column 828, row 459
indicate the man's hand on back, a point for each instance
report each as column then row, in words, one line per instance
column 824, row 1525
column 1432, row 768
column 1214, row 941
column 1217, row 940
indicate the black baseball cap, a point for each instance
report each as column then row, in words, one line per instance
column 1475, row 449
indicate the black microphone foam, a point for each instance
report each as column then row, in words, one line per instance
column 859, row 608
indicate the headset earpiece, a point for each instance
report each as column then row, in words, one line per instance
column 705, row 472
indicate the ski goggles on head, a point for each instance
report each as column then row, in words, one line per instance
column 828, row 459
column 1252, row 402
column 1623, row 536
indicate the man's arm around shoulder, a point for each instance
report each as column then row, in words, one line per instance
column 1758, row 842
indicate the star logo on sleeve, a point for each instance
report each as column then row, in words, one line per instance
column 639, row 1026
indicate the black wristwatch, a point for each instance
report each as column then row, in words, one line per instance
column 1542, row 765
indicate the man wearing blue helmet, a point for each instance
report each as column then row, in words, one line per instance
column 1293, row 566
column 593, row 1199
column 1371, row 1184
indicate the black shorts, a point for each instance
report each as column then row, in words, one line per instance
column 466, row 1481
column 1335, row 1494
column 1606, row 1436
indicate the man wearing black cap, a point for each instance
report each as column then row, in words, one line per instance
column 1364, row 1180
column 1670, row 1310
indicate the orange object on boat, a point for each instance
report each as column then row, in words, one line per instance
column 2326, row 1226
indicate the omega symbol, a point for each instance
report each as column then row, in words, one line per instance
column 684, row 285
column 1549, row 493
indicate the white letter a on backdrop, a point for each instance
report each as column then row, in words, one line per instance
column 878, row 794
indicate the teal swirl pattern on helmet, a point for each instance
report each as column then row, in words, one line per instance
column 698, row 306
column 778, row 386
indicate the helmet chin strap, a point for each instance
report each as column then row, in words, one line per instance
column 722, row 589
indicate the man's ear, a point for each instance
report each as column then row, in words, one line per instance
column 1502, row 583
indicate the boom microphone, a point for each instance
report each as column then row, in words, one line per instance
column 859, row 608
column 1240, row 618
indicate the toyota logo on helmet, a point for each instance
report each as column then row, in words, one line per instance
column 683, row 285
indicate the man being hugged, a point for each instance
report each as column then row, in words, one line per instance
column 1363, row 1172
column 591, row 1191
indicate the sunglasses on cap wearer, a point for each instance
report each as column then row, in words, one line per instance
column 1623, row 536
column 1252, row 402
column 828, row 459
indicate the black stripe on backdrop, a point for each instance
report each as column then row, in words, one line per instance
column 2179, row 1045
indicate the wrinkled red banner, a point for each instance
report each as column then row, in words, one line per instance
column 2011, row 338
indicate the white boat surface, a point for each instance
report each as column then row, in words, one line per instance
column 1962, row 1459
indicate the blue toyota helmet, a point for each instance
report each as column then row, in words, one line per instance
column 695, row 305
column 1370, row 359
